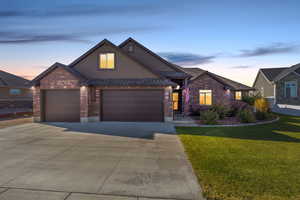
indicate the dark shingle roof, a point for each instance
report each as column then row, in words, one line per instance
column 11, row 80
column 233, row 84
column 272, row 73
column 131, row 82
column 174, row 75
column 287, row 71
column 196, row 72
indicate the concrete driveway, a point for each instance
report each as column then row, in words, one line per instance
column 94, row 161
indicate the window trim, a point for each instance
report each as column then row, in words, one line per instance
column 211, row 94
column 99, row 60
column 235, row 96
column 296, row 83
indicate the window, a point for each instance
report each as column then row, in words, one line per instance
column 175, row 100
column 14, row 91
column 107, row 61
column 238, row 95
column 290, row 89
column 205, row 97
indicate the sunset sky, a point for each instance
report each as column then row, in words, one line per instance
column 233, row 38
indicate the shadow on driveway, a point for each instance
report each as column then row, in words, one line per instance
column 144, row 130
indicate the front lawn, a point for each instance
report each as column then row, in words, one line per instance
column 249, row 163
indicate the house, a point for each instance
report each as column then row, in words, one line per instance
column 206, row 88
column 15, row 91
column 128, row 82
column 280, row 85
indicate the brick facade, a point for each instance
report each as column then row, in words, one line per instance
column 206, row 82
column 89, row 96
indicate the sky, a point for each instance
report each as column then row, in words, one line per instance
column 233, row 38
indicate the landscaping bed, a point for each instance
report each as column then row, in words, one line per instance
column 259, row 162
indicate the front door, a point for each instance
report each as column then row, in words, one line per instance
column 177, row 101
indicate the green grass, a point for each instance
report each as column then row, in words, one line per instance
column 251, row 163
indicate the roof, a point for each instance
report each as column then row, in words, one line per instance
column 11, row 80
column 287, row 71
column 272, row 73
column 171, row 65
column 131, row 82
column 105, row 41
column 197, row 72
column 36, row 80
column 194, row 72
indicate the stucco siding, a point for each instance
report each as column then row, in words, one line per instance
column 142, row 55
column 124, row 66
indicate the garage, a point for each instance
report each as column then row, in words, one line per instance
column 132, row 105
column 61, row 105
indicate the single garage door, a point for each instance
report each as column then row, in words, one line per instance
column 62, row 105
column 132, row 105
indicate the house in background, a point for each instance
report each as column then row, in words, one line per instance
column 128, row 82
column 15, row 92
column 280, row 85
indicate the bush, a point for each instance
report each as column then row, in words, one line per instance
column 246, row 116
column 209, row 117
column 264, row 115
column 221, row 110
column 249, row 100
column 261, row 105
column 195, row 110
column 236, row 107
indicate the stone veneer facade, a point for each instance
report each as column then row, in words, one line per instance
column 89, row 96
column 280, row 85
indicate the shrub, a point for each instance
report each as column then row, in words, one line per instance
column 249, row 100
column 236, row 107
column 246, row 116
column 221, row 110
column 261, row 105
column 209, row 117
column 264, row 115
column 195, row 110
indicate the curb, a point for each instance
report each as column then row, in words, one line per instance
column 226, row 125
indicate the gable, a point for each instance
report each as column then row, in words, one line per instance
column 146, row 56
column 59, row 78
column 263, row 85
column 125, row 67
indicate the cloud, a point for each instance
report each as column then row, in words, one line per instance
column 241, row 67
column 21, row 37
column 277, row 48
column 187, row 59
column 84, row 9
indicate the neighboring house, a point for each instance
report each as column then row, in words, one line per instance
column 280, row 85
column 15, row 91
column 123, row 83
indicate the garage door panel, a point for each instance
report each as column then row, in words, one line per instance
column 132, row 105
column 62, row 105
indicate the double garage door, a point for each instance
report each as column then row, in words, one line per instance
column 116, row 105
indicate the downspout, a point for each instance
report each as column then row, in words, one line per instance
column 274, row 84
